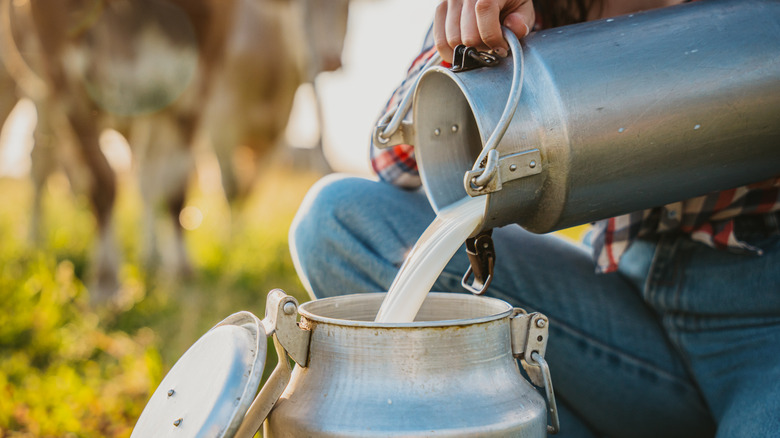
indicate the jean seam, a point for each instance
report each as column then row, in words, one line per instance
column 635, row 361
column 669, row 261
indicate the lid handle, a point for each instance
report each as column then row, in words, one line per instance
column 290, row 340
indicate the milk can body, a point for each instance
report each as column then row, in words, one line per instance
column 623, row 114
column 455, row 378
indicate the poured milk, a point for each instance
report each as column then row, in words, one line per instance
column 452, row 226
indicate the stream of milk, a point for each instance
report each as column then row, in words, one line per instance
column 427, row 259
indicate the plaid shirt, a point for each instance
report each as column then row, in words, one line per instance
column 708, row 219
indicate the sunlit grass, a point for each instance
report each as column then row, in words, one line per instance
column 67, row 369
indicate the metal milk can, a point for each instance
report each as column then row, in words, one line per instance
column 602, row 118
column 450, row 373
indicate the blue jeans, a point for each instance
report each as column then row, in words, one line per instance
column 683, row 341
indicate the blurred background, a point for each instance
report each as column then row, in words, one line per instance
column 152, row 156
column 121, row 240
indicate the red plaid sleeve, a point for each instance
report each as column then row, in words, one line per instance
column 708, row 219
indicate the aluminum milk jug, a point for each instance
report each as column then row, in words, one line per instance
column 602, row 118
column 452, row 372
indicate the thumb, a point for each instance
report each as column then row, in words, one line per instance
column 520, row 24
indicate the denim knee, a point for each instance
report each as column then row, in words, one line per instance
column 315, row 229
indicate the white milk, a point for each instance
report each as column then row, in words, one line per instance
column 430, row 255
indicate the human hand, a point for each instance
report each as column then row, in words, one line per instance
column 477, row 23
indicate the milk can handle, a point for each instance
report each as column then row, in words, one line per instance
column 486, row 165
column 391, row 121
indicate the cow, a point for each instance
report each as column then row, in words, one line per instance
column 147, row 68
column 139, row 66
column 263, row 67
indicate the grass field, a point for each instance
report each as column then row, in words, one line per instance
column 67, row 369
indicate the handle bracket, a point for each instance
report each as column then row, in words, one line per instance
column 289, row 339
column 281, row 320
column 529, row 343
column 468, row 58
column 482, row 259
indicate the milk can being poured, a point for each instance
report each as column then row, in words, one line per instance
column 606, row 118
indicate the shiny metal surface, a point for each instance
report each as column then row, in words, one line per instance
column 450, row 373
column 627, row 113
column 210, row 388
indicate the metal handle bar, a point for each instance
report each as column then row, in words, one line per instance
column 391, row 121
column 486, row 165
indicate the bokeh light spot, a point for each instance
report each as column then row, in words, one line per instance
column 190, row 218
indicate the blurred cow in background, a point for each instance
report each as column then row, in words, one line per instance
column 141, row 67
column 147, row 68
column 263, row 66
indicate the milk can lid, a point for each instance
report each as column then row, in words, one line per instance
column 209, row 389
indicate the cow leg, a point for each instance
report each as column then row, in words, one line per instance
column 186, row 123
column 102, row 194
column 224, row 141
column 176, row 202
column 223, row 132
column 164, row 164
column 43, row 159
column 140, row 137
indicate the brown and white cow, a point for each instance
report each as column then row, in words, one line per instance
column 147, row 68
column 125, row 64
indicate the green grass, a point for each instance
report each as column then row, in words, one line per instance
column 68, row 369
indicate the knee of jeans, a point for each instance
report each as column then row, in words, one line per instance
column 315, row 224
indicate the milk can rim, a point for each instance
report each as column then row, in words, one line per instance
column 441, row 73
column 303, row 310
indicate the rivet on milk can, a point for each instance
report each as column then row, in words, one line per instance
column 356, row 377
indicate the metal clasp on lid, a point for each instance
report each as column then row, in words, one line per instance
column 482, row 258
column 552, row 407
column 289, row 340
column 529, row 343
column 281, row 320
